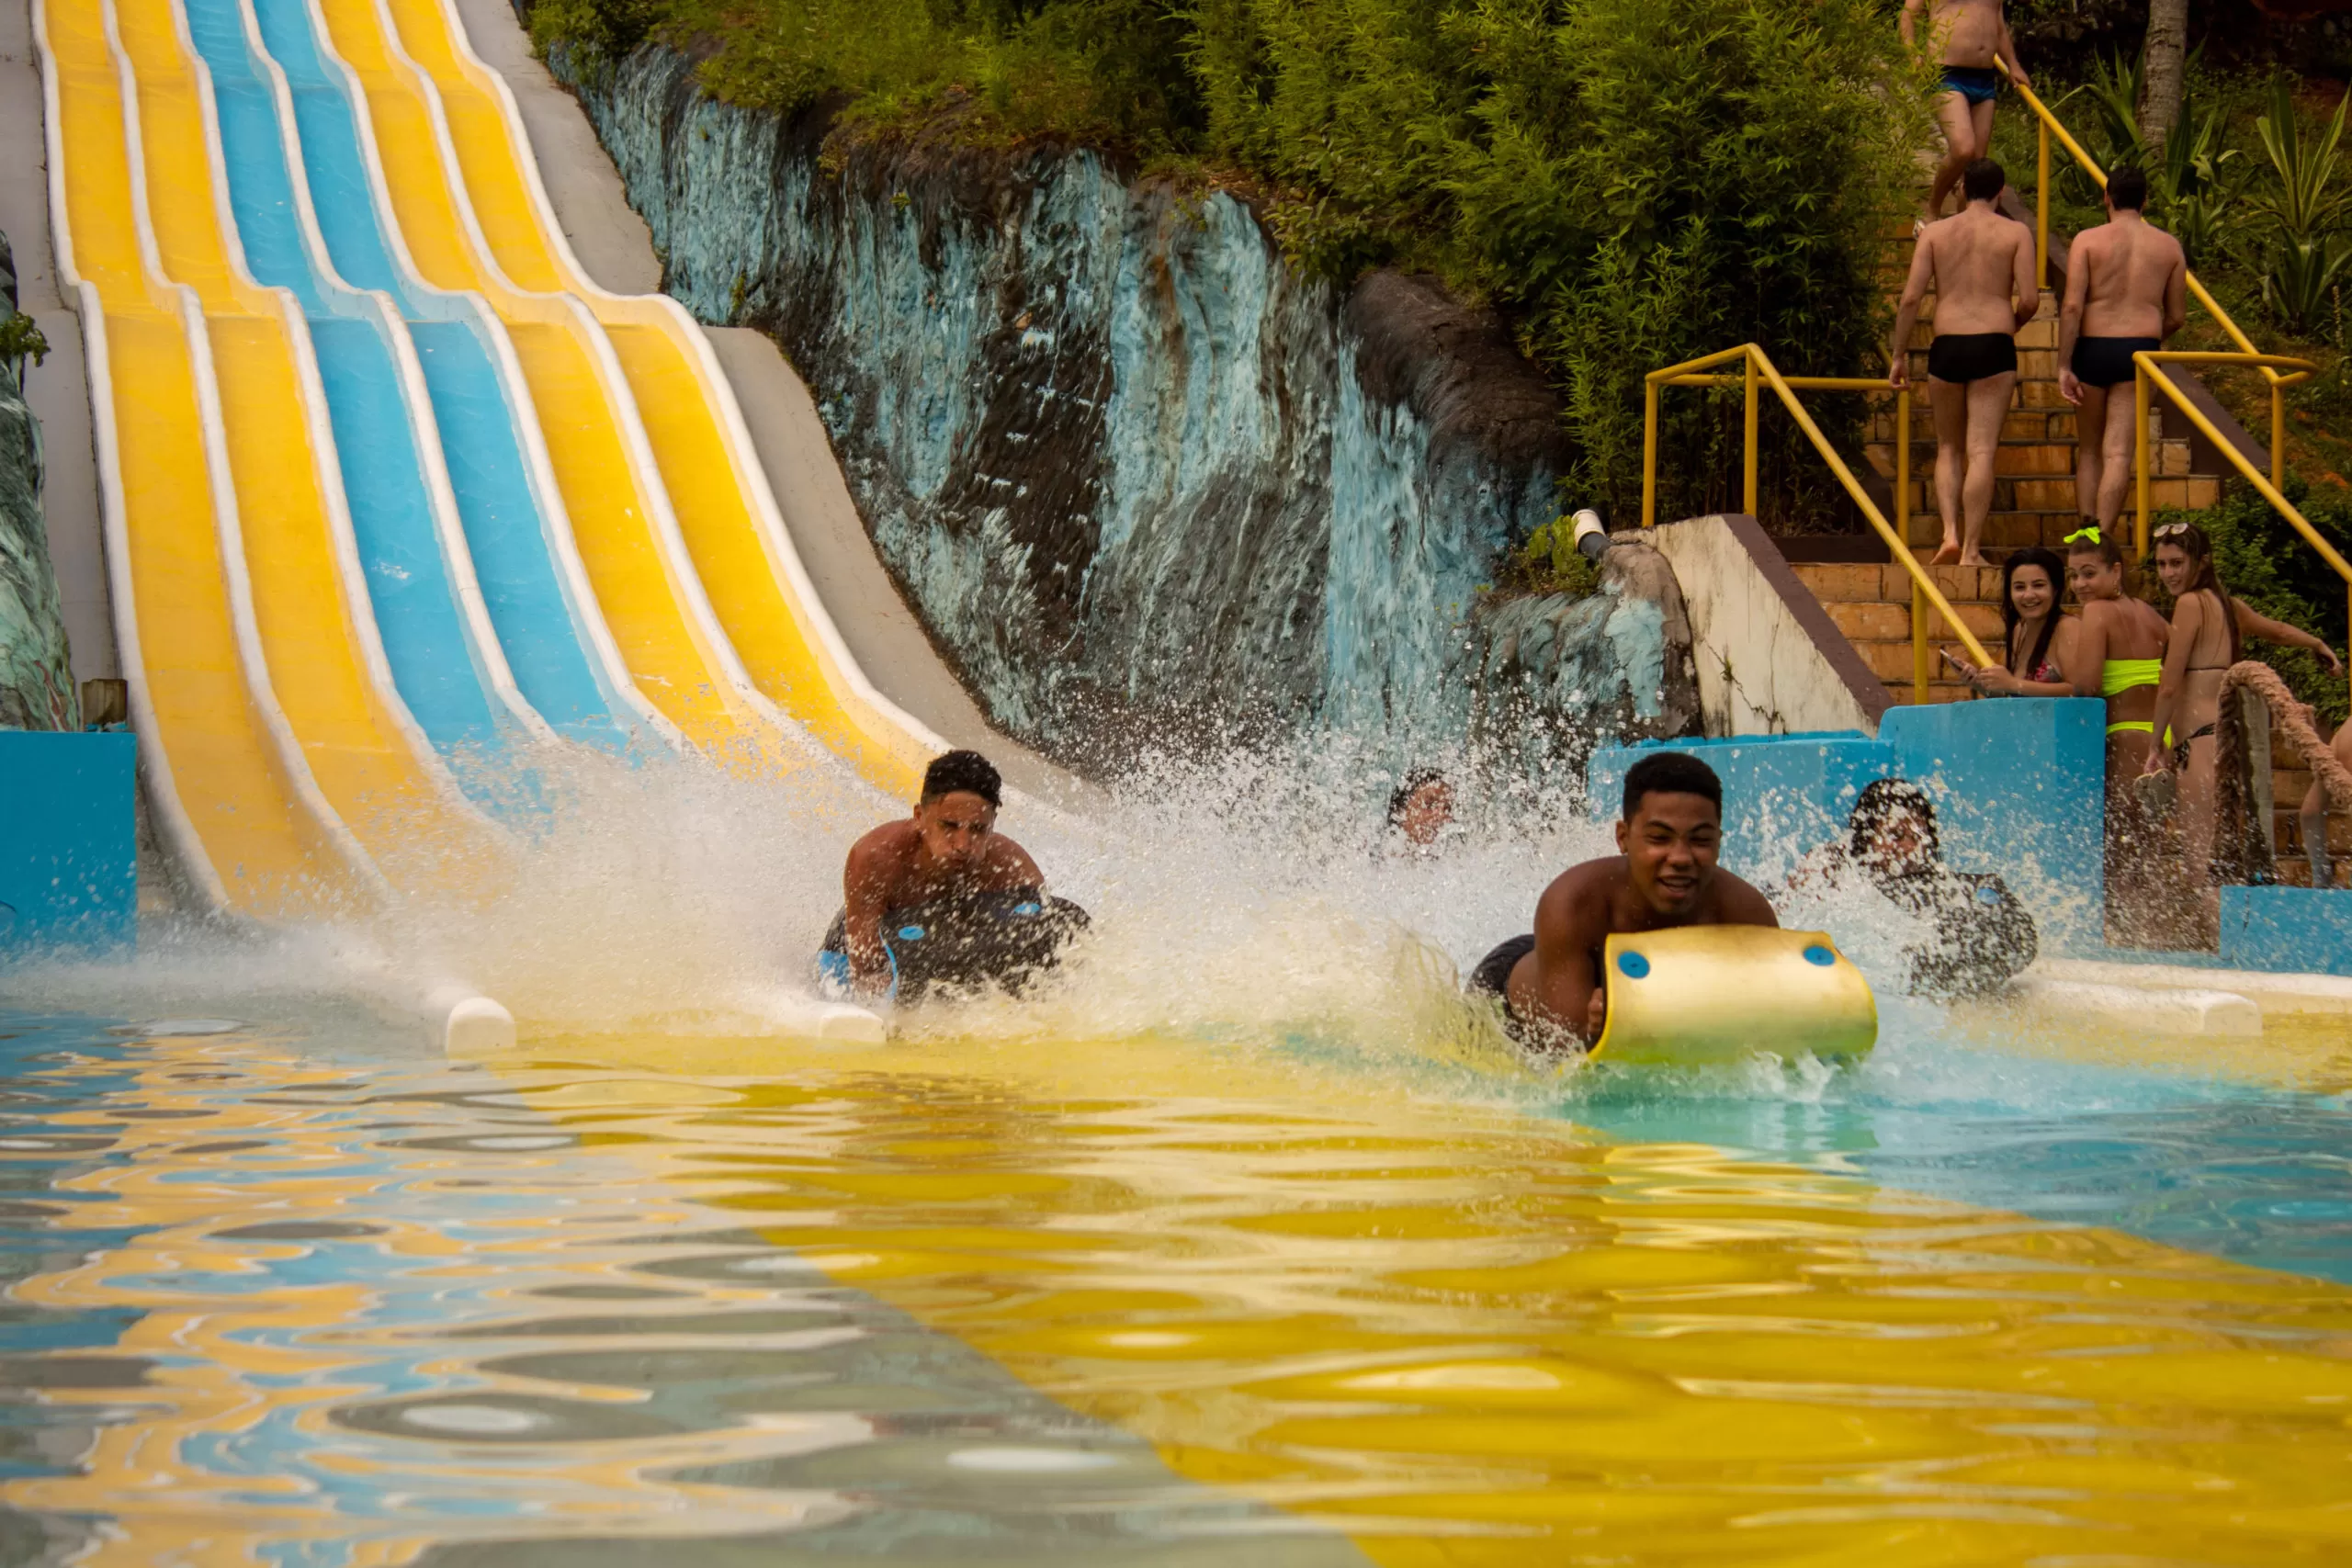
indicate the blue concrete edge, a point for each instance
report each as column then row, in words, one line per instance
column 69, row 852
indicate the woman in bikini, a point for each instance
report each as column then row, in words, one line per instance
column 2209, row 629
column 2117, row 654
column 2039, row 637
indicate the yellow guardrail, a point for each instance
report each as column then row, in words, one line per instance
column 1757, row 367
column 2150, row 363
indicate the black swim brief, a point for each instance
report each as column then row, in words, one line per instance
column 2105, row 361
column 1493, row 974
column 1972, row 356
column 1978, row 84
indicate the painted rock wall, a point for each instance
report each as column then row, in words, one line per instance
column 35, row 682
column 1131, row 470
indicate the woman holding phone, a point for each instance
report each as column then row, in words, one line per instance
column 2038, row 637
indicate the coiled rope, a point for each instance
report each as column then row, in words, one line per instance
column 2241, row 847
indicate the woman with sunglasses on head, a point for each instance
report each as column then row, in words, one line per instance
column 2039, row 637
column 2209, row 628
column 2117, row 654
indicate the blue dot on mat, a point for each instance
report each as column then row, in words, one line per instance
column 1633, row 966
column 1028, row 908
column 910, row 933
column 1819, row 955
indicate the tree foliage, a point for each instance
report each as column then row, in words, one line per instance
column 1631, row 182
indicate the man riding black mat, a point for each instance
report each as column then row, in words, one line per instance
column 943, row 882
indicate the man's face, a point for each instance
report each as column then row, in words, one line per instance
column 954, row 826
column 1669, row 845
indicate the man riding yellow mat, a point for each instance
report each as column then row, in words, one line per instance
column 1551, row 981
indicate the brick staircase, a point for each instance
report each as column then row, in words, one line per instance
column 1870, row 602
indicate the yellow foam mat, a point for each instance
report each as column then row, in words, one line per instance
column 1694, row 995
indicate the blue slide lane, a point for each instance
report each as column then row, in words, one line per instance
column 537, row 628
column 416, row 610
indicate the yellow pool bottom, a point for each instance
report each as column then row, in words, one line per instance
column 1452, row 1336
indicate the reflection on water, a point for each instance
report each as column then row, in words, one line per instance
column 990, row 1302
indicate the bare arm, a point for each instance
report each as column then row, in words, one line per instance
column 2188, row 620
column 2176, row 293
column 1739, row 904
column 2070, row 320
column 1906, row 313
column 2006, row 51
column 1564, row 1007
column 1907, row 24
column 867, row 881
column 1009, row 868
column 2279, row 632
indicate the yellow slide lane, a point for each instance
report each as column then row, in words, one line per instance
column 273, row 856
column 611, row 506
column 706, row 468
column 366, row 766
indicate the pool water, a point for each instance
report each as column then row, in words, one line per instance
column 282, row 1295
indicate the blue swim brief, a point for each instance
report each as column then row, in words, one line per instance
column 1978, row 84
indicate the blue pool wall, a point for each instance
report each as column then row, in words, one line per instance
column 2018, row 786
column 69, row 852
column 2302, row 929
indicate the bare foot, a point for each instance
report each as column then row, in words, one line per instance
column 1974, row 558
column 1948, row 555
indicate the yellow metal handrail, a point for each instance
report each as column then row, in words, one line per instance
column 2149, row 365
column 1754, row 364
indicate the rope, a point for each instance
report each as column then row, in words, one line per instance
column 2241, row 847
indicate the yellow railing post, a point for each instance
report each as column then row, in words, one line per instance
column 1649, row 454
column 2277, row 432
column 1919, row 636
column 1748, row 461
column 2140, row 450
column 1902, row 464
column 2041, row 209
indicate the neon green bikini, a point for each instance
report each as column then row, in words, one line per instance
column 2118, row 676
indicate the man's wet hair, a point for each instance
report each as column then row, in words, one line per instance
column 2126, row 189
column 966, row 773
column 1671, row 772
column 1983, row 180
column 1402, row 795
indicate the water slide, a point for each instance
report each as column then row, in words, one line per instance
column 398, row 501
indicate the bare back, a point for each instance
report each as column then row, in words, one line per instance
column 2134, row 277
column 1980, row 266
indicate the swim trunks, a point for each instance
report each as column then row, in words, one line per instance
column 1978, row 84
column 2104, row 361
column 1493, row 974
column 1972, row 356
